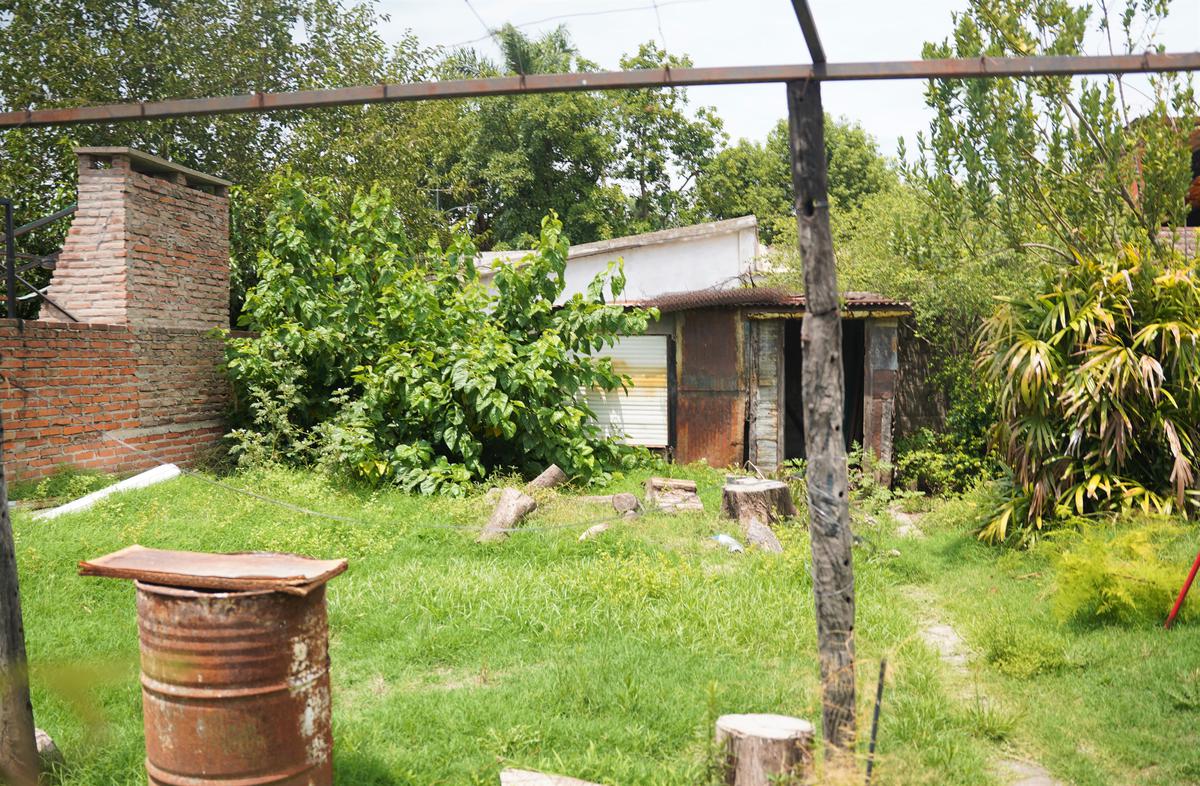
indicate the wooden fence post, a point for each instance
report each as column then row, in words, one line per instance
column 18, row 748
column 824, row 407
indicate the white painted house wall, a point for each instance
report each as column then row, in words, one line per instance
column 716, row 255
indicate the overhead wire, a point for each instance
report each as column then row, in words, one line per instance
column 654, row 6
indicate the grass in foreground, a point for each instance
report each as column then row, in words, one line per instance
column 607, row 660
column 1096, row 704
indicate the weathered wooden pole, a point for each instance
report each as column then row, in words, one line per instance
column 824, row 406
column 18, row 748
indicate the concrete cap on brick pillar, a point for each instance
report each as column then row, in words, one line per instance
column 129, row 158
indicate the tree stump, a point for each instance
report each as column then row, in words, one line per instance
column 552, row 476
column 513, row 506
column 510, row 777
column 756, row 504
column 765, row 750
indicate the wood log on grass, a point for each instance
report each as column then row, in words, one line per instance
column 552, row 476
column 756, row 504
column 765, row 750
column 512, row 506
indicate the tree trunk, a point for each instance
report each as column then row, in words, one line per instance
column 552, row 476
column 765, row 750
column 18, row 749
column 510, row 509
column 824, row 408
column 756, row 504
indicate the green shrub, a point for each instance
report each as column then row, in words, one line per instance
column 1120, row 576
column 937, row 463
column 396, row 363
column 1097, row 382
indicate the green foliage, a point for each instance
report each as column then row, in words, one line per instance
column 1097, row 381
column 66, row 483
column 399, row 365
column 1050, row 160
column 750, row 178
column 938, row 462
column 1120, row 575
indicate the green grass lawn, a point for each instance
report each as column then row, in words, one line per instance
column 608, row 660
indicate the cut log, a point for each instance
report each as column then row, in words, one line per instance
column 756, row 504
column 764, row 750
column 552, row 476
column 530, row 778
column 672, row 495
column 510, row 509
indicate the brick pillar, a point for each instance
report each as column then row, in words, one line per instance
column 149, row 245
column 879, row 389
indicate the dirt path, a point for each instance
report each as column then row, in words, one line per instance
column 940, row 636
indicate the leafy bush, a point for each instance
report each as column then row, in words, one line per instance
column 1097, row 382
column 1119, row 576
column 938, row 463
column 398, row 364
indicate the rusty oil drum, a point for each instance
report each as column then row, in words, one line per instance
column 235, row 687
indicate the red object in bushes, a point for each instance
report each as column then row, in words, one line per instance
column 1187, row 585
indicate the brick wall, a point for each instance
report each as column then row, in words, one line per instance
column 157, row 389
column 145, row 269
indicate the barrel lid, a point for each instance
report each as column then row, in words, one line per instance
column 289, row 573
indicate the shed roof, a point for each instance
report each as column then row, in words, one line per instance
column 759, row 297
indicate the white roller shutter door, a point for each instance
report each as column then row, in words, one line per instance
column 639, row 416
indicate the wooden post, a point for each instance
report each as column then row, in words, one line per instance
column 18, row 749
column 824, row 407
column 764, row 750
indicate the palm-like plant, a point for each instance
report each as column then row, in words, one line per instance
column 1097, row 384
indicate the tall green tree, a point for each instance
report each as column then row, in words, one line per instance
column 663, row 148
column 524, row 156
column 752, row 178
column 1051, row 161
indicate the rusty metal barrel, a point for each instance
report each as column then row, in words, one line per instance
column 235, row 687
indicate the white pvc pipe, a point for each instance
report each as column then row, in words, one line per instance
column 139, row 481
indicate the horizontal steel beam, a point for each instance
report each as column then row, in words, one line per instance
column 608, row 80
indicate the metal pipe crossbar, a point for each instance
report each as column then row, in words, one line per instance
column 952, row 68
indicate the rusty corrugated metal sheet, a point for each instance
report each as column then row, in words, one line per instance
column 235, row 687
column 757, row 297
column 711, row 410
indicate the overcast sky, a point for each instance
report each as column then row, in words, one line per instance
column 746, row 32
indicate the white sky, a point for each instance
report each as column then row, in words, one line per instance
column 748, row 32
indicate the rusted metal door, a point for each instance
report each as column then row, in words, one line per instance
column 710, row 420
